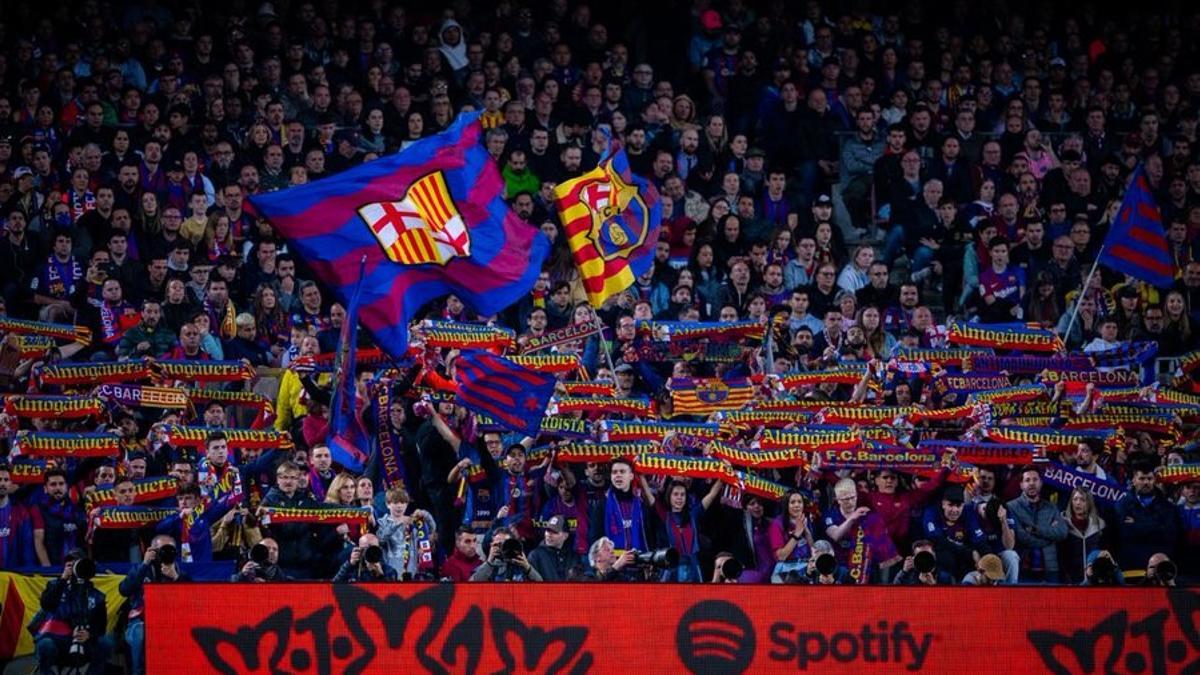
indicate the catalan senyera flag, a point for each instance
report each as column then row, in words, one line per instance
column 611, row 219
column 430, row 220
column 704, row 396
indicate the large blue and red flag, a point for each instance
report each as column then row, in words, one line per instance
column 431, row 220
column 347, row 440
column 513, row 395
column 1136, row 244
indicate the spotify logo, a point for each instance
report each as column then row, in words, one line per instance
column 715, row 637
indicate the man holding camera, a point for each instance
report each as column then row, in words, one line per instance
column 823, row 568
column 263, row 565
column 160, row 565
column 506, row 560
column 921, row 568
column 71, row 623
column 1160, row 571
column 365, row 564
column 606, row 565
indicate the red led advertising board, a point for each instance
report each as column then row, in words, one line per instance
column 609, row 628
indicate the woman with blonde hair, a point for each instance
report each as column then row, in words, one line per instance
column 1085, row 534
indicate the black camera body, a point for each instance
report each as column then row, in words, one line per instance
column 1104, row 572
column 511, row 548
column 167, row 554
column 826, row 564
column 925, row 562
column 259, row 554
column 84, row 569
column 373, row 554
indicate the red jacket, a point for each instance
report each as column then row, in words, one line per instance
column 896, row 508
column 459, row 567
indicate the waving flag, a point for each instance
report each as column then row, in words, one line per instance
column 430, row 220
column 347, row 441
column 611, row 219
column 1136, row 244
column 513, row 395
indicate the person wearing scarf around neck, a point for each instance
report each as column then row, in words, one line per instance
column 619, row 516
column 680, row 514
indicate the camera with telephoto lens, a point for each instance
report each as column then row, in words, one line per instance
column 925, row 562
column 1104, row 572
column 1165, row 572
column 167, row 554
column 662, row 558
column 259, row 554
column 373, row 554
column 83, row 569
column 511, row 548
column 732, row 568
column 826, row 564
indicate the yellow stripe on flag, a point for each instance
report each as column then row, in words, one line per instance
column 30, row 588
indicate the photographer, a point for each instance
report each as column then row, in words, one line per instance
column 822, row 568
column 921, row 568
column 159, row 565
column 726, row 568
column 70, row 624
column 506, row 560
column 606, row 565
column 263, row 564
column 1102, row 570
column 365, row 564
column 1160, row 571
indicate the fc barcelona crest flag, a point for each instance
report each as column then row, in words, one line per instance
column 704, row 396
column 611, row 219
column 429, row 220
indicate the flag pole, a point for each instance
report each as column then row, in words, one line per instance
column 604, row 343
column 1079, row 300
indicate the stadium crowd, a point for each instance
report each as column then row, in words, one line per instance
column 852, row 180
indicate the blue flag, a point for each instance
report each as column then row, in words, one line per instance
column 1136, row 244
column 347, row 440
column 513, row 395
column 431, row 220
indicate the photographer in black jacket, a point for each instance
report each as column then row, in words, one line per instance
column 70, row 625
column 160, row 565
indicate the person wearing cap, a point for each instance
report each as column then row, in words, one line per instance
column 553, row 559
column 71, row 611
column 957, row 537
column 989, row 571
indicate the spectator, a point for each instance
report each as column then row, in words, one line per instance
column 1147, row 523
column 1039, row 529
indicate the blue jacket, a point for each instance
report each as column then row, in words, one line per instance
column 1144, row 529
